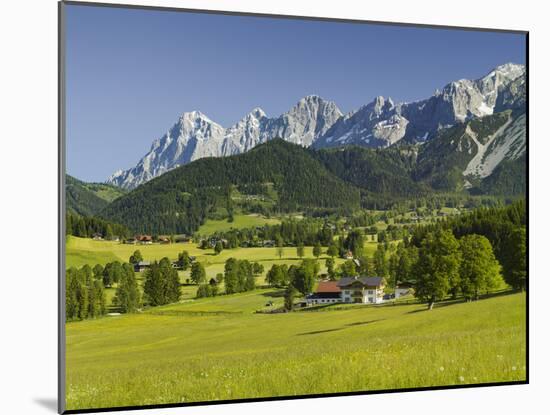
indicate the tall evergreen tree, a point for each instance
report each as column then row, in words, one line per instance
column 198, row 273
column 184, row 260
column 127, row 296
column 317, row 250
column 300, row 250
column 514, row 258
column 381, row 267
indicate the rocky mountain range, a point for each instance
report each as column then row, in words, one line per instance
column 318, row 123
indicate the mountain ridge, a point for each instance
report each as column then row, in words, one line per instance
column 319, row 123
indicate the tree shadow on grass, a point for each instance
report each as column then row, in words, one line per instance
column 319, row 331
column 449, row 302
column 357, row 323
column 274, row 294
column 362, row 323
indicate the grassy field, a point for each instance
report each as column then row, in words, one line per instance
column 82, row 251
column 239, row 222
column 218, row 348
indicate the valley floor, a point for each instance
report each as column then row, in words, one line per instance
column 219, row 349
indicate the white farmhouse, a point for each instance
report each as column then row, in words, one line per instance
column 362, row 290
column 366, row 290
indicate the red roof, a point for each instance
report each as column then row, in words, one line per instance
column 328, row 287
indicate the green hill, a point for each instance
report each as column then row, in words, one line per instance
column 179, row 201
column 278, row 177
column 87, row 199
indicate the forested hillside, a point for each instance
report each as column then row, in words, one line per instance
column 89, row 198
column 381, row 171
column 278, row 178
column 180, row 200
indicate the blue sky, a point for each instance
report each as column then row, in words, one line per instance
column 131, row 73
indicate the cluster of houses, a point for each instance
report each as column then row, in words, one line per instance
column 148, row 239
column 99, row 237
column 362, row 290
column 143, row 265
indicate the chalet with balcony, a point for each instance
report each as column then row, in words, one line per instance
column 363, row 290
column 366, row 290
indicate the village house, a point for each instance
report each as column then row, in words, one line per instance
column 164, row 239
column 365, row 290
column 130, row 241
column 362, row 289
column 183, row 238
column 141, row 266
column 348, row 255
column 144, row 239
column 327, row 292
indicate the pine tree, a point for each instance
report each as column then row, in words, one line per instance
column 329, row 263
column 290, row 293
column 127, row 295
column 231, row 276
column 514, row 258
column 300, row 250
column 317, row 250
column 380, row 262
column 198, row 274
column 184, row 260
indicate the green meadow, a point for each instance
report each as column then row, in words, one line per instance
column 219, row 348
column 81, row 251
column 239, row 222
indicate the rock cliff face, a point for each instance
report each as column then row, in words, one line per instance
column 382, row 123
column 195, row 136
